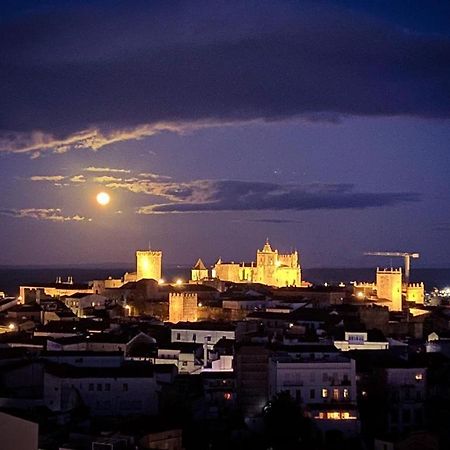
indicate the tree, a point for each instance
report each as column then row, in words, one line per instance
column 286, row 427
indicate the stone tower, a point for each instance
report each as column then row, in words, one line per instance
column 182, row 307
column 389, row 287
column 148, row 264
column 266, row 264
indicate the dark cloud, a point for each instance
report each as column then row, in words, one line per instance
column 88, row 72
column 211, row 195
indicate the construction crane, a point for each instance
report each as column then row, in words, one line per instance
column 407, row 257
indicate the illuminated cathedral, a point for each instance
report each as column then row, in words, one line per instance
column 271, row 268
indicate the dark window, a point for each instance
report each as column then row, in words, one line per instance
column 298, row 395
column 418, row 417
column 406, row 415
column 99, row 387
column 178, row 336
column 312, row 394
column 91, row 386
column 194, row 337
column 125, row 386
column 107, row 387
column 394, row 416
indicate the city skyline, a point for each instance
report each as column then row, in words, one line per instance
column 323, row 126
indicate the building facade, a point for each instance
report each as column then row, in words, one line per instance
column 325, row 384
column 148, row 265
column 182, row 307
column 272, row 268
column 389, row 287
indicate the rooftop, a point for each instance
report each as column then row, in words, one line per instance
column 204, row 325
column 127, row 370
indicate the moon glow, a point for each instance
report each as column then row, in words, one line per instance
column 103, row 198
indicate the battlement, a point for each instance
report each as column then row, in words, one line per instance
column 156, row 253
column 416, row 285
column 182, row 295
column 389, row 270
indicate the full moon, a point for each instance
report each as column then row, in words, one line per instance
column 103, row 198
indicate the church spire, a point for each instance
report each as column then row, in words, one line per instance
column 267, row 248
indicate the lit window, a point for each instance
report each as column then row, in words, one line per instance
column 335, row 394
column 324, row 393
column 334, row 415
column 346, row 394
column 419, row 376
column 227, row 396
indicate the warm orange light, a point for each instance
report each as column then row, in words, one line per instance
column 103, row 198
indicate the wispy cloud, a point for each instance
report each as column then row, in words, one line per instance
column 52, row 214
column 106, row 179
column 78, row 179
column 106, row 170
column 444, row 226
column 51, row 178
column 104, row 175
column 37, row 142
column 274, row 221
column 153, row 176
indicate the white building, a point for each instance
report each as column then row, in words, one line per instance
column 106, row 391
column 81, row 302
column 184, row 358
column 406, row 392
column 360, row 341
column 18, row 433
column 201, row 332
column 324, row 383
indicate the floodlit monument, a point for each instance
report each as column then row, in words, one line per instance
column 271, row 268
column 148, row 264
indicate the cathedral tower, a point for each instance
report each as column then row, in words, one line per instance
column 148, row 264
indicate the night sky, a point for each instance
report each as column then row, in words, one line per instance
column 215, row 124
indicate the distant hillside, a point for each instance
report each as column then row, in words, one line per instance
column 12, row 277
